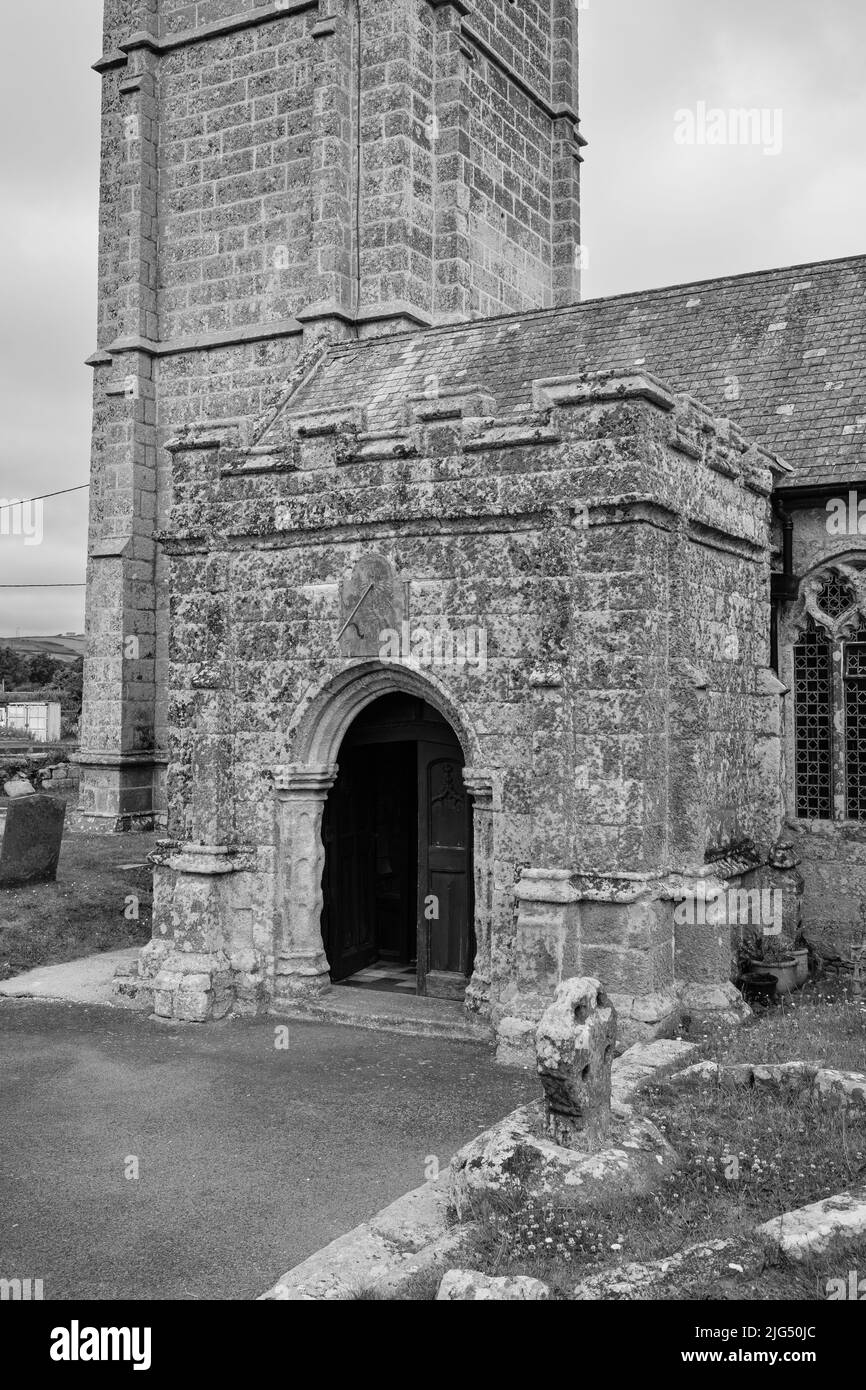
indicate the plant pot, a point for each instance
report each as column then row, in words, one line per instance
column 801, row 959
column 784, row 972
column 759, row 986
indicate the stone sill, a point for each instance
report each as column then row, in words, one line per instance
column 843, row 829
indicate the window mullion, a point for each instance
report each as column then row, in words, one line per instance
column 838, row 750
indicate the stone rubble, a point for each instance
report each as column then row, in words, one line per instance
column 468, row 1284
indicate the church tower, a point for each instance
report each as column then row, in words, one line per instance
column 273, row 173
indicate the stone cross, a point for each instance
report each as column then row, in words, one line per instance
column 574, row 1045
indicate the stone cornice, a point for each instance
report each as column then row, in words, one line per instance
column 713, row 536
column 643, row 509
column 113, row 59
column 207, row 434
column 203, row 543
column 546, row 886
column 559, row 112
column 256, row 333
column 669, row 882
column 634, row 508
column 601, row 389
column 197, row 342
column 263, row 14
column 372, row 313
column 324, row 28
column 114, row 759
column 267, row 14
column 277, row 458
column 109, row 547
column 459, row 5
column 207, row 859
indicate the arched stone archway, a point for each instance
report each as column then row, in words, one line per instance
column 320, row 724
column 302, row 787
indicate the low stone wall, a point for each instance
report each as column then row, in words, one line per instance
column 833, row 865
column 60, row 777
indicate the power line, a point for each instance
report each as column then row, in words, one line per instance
column 25, row 501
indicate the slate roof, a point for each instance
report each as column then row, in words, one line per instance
column 782, row 352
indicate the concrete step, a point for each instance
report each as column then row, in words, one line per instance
column 395, row 1013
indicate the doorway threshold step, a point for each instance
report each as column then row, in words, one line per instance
column 382, row 1011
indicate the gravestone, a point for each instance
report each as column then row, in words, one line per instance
column 31, row 841
column 574, row 1046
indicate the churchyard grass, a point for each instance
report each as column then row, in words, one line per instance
column 823, row 1023
column 89, row 908
column 747, row 1154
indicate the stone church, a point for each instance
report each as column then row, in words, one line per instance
column 452, row 631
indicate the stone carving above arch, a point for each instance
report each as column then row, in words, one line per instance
column 325, row 714
column 371, row 603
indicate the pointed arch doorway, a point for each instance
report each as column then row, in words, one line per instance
column 397, row 830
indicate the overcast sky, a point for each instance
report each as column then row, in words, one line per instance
column 655, row 211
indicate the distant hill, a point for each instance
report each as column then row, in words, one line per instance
column 63, row 647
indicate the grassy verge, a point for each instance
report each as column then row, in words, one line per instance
column 746, row 1155
column 822, row 1023
column 85, row 910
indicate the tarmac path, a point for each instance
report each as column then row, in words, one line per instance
column 249, row 1156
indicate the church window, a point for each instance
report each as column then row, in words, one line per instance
column 829, row 714
column 836, row 596
column 855, row 726
column 813, row 724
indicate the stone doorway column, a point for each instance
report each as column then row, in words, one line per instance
column 479, row 784
column 301, row 966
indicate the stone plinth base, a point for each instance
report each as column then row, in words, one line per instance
column 719, row 1005
column 192, row 986
column 636, row 1158
column 116, row 792
column 300, row 976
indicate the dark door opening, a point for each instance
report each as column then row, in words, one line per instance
column 397, row 885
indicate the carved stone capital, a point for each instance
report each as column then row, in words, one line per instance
column 301, row 781
column 479, row 782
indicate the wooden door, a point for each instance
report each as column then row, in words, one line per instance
column 369, row 897
column 397, row 833
column 445, row 907
column 348, row 832
column 394, row 869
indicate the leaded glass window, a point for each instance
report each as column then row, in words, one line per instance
column 855, row 726
column 836, row 596
column 813, row 724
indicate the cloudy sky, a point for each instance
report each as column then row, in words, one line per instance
column 656, row 210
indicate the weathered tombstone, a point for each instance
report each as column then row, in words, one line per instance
column 574, row 1046
column 31, row 841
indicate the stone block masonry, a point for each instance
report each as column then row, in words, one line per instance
column 610, row 738
column 272, row 174
column 338, row 338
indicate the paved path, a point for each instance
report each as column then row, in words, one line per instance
column 85, row 981
column 250, row 1158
